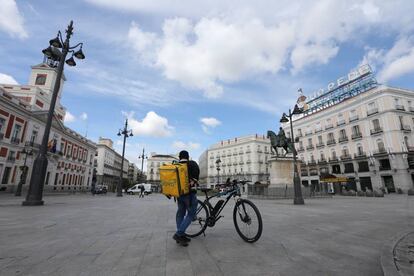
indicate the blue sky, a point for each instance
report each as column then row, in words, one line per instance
column 188, row 74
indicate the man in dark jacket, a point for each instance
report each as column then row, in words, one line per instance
column 187, row 204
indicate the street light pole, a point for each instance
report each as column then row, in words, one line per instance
column 218, row 161
column 24, row 172
column 142, row 157
column 35, row 193
column 298, row 198
column 126, row 133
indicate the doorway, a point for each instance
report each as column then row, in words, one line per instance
column 388, row 183
column 365, row 183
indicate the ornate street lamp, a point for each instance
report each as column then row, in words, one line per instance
column 126, row 133
column 142, row 157
column 218, row 161
column 298, row 199
column 57, row 59
column 24, row 169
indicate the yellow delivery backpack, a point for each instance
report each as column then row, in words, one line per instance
column 174, row 179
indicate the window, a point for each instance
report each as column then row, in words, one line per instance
column 363, row 166
column 380, row 145
column 355, row 130
column 320, row 140
column 376, row 124
column 333, row 154
column 342, row 134
column 371, row 106
column 2, row 123
column 345, row 152
column 310, row 142
column 384, row 164
column 360, row 150
column 407, row 144
column 6, row 175
column 336, row 169
column 16, row 132
column 47, row 178
column 40, row 79
column 349, row 168
column 322, row 156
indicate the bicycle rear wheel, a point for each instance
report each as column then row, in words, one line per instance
column 247, row 220
column 199, row 223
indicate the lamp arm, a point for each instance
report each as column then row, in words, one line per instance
column 79, row 44
column 60, row 37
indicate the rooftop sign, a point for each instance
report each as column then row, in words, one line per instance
column 356, row 82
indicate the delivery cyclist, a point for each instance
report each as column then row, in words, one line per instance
column 187, row 204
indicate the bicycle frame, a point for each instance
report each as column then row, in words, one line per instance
column 235, row 191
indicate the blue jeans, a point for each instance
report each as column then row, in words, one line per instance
column 187, row 208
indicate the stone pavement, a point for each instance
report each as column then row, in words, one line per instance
column 106, row 235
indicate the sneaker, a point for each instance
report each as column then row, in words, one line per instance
column 182, row 240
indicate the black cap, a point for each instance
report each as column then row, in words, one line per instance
column 183, row 155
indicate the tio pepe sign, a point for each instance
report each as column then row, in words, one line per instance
column 353, row 75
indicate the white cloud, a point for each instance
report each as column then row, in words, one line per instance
column 7, row 79
column 69, row 118
column 83, row 116
column 209, row 122
column 152, row 125
column 213, row 51
column 11, row 21
column 121, row 142
column 392, row 63
column 180, row 145
column 312, row 54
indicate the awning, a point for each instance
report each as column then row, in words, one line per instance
column 333, row 178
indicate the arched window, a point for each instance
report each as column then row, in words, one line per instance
column 407, row 144
column 359, row 149
column 380, row 145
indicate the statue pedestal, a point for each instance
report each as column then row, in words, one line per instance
column 281, row 172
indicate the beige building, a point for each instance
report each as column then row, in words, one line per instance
column 367, row 138
column 108, row 164
column 240, row 158
column 154, row 161
column 23, row 113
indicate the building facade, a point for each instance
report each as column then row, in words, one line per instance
column 239, row 158
column 366, row 139
column 133, row 173
column 154, row 161
column 23, row 114
column 108, row 165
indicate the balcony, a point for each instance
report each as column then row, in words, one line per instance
column 320, row 145
column 384, row 168
column 259, row 151
column 301, row 149
column 333, row 159
column 410, row 149
column 353, row 118
column 406, row 128
column 340, row 122
column 313, row 172
column 380, row 151
column 318, row 130
column 299, row 134
column 1, row 136
column 331, row 142
column 15, row 140
column 304, row 173
column 312, row 162
column 372, row 111
column 360, row 155
column 411, row 109
column 234, row 153
column 346, row 157
column 343, row 139
column 399, row 107
column 308, row 133
column 322, row 161
column 248, row 151
column 248, row 162
column 376, row 130
column 11, row 159
column 329, row 126
column 241, row 163
column 310, row 147
column 240, row 153
column 355, row 136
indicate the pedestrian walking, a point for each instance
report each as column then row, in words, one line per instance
column 142, row 189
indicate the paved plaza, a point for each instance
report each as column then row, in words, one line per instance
column 106, row 235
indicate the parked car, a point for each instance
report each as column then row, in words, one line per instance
column 136, row 189
column 101, row 189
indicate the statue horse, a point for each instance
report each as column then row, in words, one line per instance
column 280, row 142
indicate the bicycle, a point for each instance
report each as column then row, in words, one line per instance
column 245, row 214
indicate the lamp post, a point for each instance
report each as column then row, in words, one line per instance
column 218, row 161
column 298, row 199
column 142, row 157
column 57, row 59
column 126, row 133
column 24, row 172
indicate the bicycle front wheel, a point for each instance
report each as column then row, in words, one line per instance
column 199, row 223
column 247, row 220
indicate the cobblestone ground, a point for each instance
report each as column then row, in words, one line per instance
column 106, row 235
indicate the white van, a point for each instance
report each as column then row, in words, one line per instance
column 136, row 189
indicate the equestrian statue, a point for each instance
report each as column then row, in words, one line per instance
column 280, row 141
